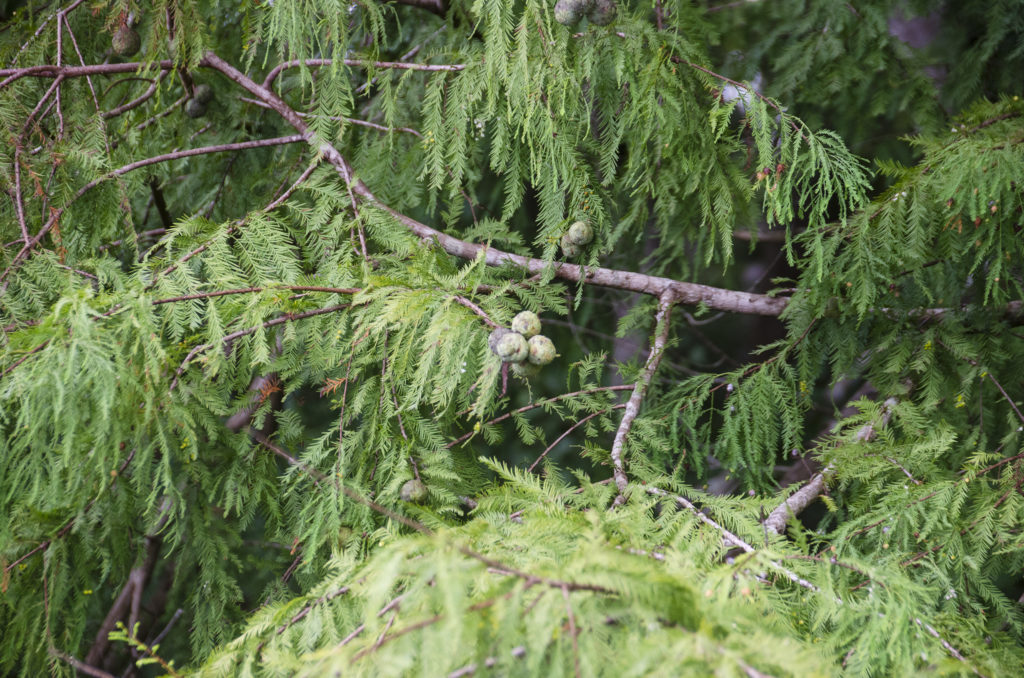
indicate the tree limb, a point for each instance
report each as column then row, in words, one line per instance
column 662, row 325
column 682, row 292
column 776, row 521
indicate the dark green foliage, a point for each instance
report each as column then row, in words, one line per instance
column 232, row 374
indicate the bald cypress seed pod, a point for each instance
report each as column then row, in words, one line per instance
column 542, row 350
column 569, row 248
column 569, row 12
column 512, row 348
column 495, row 337
column 526, row 323
column 126, row 41
column 194, row 108
column 602, row 12
column 203, row 94
column 413, row 490
column 580, row 233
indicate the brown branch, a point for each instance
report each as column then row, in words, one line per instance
column 541, row 403
column 775, row 523
column 80, row 665
column 683, row 292
column 176, row 155
column 138, row 101
column 42, row 25
column 127, row 601
column 358, row 63
column 569, row 430
column 662, row 321
column 340, row 118
column 247, row 331
column 81, row 59
column 301, row 614
column 476, row 309
column 160, row 203
column 53, row 71
column 15, row 194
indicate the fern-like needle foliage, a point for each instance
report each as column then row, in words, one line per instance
column 251, row 424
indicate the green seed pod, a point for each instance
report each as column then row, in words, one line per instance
column 512, row 348
column 495, row 337
column 580, row 233
column 526, row 370
column 569, row 12
column 413, row 490
column 569, row 248
column 526, row 323
column 602, row 12
column 542, row 350
column 194, row 108
column 203, row 94
column 126, row 41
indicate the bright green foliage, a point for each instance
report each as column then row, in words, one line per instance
column 248, row 409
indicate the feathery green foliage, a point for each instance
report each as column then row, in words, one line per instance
column 231, row 339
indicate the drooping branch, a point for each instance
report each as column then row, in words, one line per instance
column 247, row 331
column 729, row 539
column 360, row 63
column 682, row 292
column 57, row 213
column 662, row 324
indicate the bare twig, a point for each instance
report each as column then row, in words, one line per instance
column 476, row 309
column 81, row 666
column 730, row 539
column 247, row 331
column 775, row 523
column 19, row 206
column 136, row 102
column 128, row 601
column 359, row 63
column 176, row 155
column 53, row 71
column 662, row 325
column 541, row 403
column 569, row 430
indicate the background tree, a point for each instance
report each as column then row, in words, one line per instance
column 254, row 254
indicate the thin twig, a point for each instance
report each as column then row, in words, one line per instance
column 730, row 539
column 569, row 430
column 662, row 321
column 540, row 403
column 249, row 330
column 80, row 665
column 476, row 309
column 136, row 102
column 358, row 63
column 176, row 155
